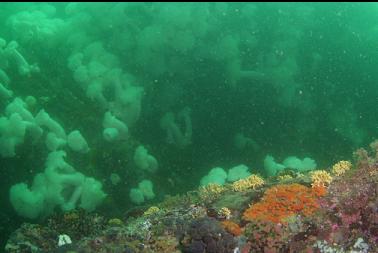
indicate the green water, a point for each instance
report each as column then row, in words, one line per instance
column 294, row 79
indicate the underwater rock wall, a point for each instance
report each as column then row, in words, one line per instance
column 144, row 99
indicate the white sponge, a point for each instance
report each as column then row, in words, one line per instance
column 294, row 162
column 215, row 176
column 136, row 196
column 114, row 129
column 59, row 185
column 53, row 142
column 77, row 142
column 92, row 194
column 146, row 187
column 143, row 192
column 4, row 92
column 27, row 203
column 144, row 160
column 238, row 172
column 271, row 167
column 44, row 119
column 12, row 132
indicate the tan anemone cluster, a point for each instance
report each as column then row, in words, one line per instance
column 341, row 167
column 320, row 178
column 284, row 178
column 211, row 191
column 224, row 212
column 151, row 210
column 253, row 181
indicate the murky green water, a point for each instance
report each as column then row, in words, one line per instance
column 194, row 86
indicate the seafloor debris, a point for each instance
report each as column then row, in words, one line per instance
column 303, row 213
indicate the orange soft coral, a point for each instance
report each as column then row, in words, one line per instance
column 282, row 201
column 232, row 227
column 319, row 190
